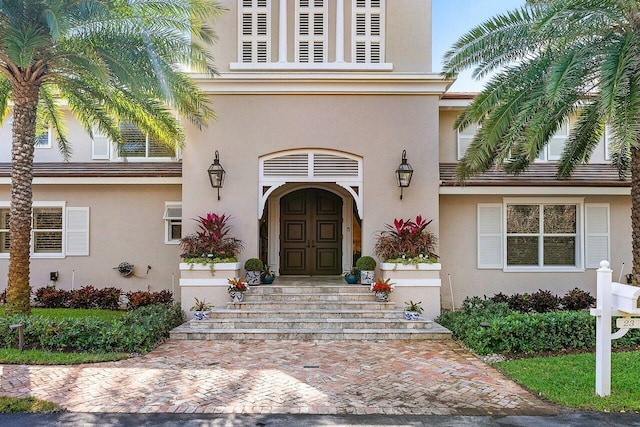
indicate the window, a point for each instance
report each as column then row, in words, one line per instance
column 255, row 31
column 553, row 150
column 542, row 235
column 43, row 139
column 55, row 231
column 173, row 222
column 368, row 31
column 465, row 138
column 137, row 145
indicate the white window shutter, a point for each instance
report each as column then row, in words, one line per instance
column 490, row 236
column 77, row 232
column 596, row 234
column 101, row 147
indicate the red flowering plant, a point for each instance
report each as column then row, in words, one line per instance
column 383, row 286
column 237, row 285
column 407, row 241
column 211, row 242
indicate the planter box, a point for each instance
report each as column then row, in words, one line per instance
column 415, row 282
column 199, row 280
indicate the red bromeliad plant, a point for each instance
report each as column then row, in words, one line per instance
column 407, row 240
column 383, row 286
column 211, row 240
column 237, row 285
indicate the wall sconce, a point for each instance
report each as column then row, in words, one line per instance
column 404, row 173
column 216, row 174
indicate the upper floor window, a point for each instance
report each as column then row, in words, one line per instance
column 137, row 146
column 317, row 30
column 554, row 148
column 465, row 138
column 43, row 139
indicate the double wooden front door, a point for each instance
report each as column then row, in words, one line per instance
column 311, row 233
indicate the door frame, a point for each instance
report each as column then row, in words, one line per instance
column 274, row 221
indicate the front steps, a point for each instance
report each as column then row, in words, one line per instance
column 309, row 312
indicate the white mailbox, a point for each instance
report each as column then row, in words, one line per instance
column 625, row 298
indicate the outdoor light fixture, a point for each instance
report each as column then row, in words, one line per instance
column 404, row 173
column 216, row 174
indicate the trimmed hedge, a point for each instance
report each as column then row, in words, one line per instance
column 138, row 331
column 488, row 327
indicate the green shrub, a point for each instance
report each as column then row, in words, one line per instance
column 489, row 327
column 253, row 264
column 366, row 263
column 544, row 301
column 577, row 299
column 138, row 331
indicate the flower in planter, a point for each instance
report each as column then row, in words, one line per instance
column 407, row 242
column 211, row 242
column 236, row 285
column 382, row 289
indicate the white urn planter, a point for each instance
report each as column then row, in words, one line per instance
column 419, row 282
column 204, row 281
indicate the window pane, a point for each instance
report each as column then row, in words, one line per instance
column 560, row 251
column 522, row 250
column 4, row 219
column 158, row 150
column 4, row 242
column 134, row 144
column 523, row 219
column 47, row 218
column 47, row 242
column 175, row 230
column 560, row 219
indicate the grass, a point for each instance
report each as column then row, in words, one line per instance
column 570, row 380
column 40, row 357
column 12, row 405
column 61, row 313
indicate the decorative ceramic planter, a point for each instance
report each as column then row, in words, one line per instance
column 351, row 279
column 382, row 296
column 411, row 315
column 367, row 276
column 201, row 315
column 236, row 297
column 267, row 280
column 253, row 278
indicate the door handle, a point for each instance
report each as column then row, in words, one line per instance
column 308, row 243
column 313, row 243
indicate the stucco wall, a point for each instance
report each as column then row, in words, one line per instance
column 375, row 127
column 408, row 34
column 126, row 225
column 458, row 251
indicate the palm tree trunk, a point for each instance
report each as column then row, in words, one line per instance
column 25, row 97
column 635, row 213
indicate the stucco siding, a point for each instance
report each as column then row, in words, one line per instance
column 126, row 225
column 458, row 251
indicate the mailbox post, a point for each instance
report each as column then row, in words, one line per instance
column 613, row 299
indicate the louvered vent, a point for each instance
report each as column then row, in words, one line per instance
column 303, row 55
column 246, row 24
column 262, row 3
column 289, row 165
column 318, row 52
column 304, row 24
column 247, row 49
column 375, row 25
column 262, row 24
column 361, row 24
column 361, row 52
column 375, row 53
column 247, row 3
column 330, row 165
column 318, row 24
column 262, row 51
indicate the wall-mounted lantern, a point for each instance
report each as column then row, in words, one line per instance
column 216, row 174
column 404, row 173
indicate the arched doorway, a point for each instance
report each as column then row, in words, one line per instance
column 311, row 233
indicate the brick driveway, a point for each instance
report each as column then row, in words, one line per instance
column 321, row 377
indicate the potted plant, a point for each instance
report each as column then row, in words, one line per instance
column 267, row 276
column 382, row 289
column 407, row 242
column 367, row 266
column 211, row 243
column 253, row 267
column 412, row 310
column 352, row 276
column 236, row 289
column 201, row 309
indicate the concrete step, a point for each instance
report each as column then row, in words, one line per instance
column 309, row 323
column 289, row 297
column 311, row 305
column 309, row 289
column 435, row 333
column 310, row 313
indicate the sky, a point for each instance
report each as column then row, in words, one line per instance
column 452, row 19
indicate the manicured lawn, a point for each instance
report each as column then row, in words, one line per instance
column 40, row 357
column 570, row 380
column 60, row 313
column 12, row 405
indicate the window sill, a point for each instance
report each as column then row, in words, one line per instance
column 543, row 270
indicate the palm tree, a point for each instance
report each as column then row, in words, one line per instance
column 110, row 61
column 555, row 59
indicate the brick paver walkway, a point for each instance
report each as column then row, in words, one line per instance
column 322, row 377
